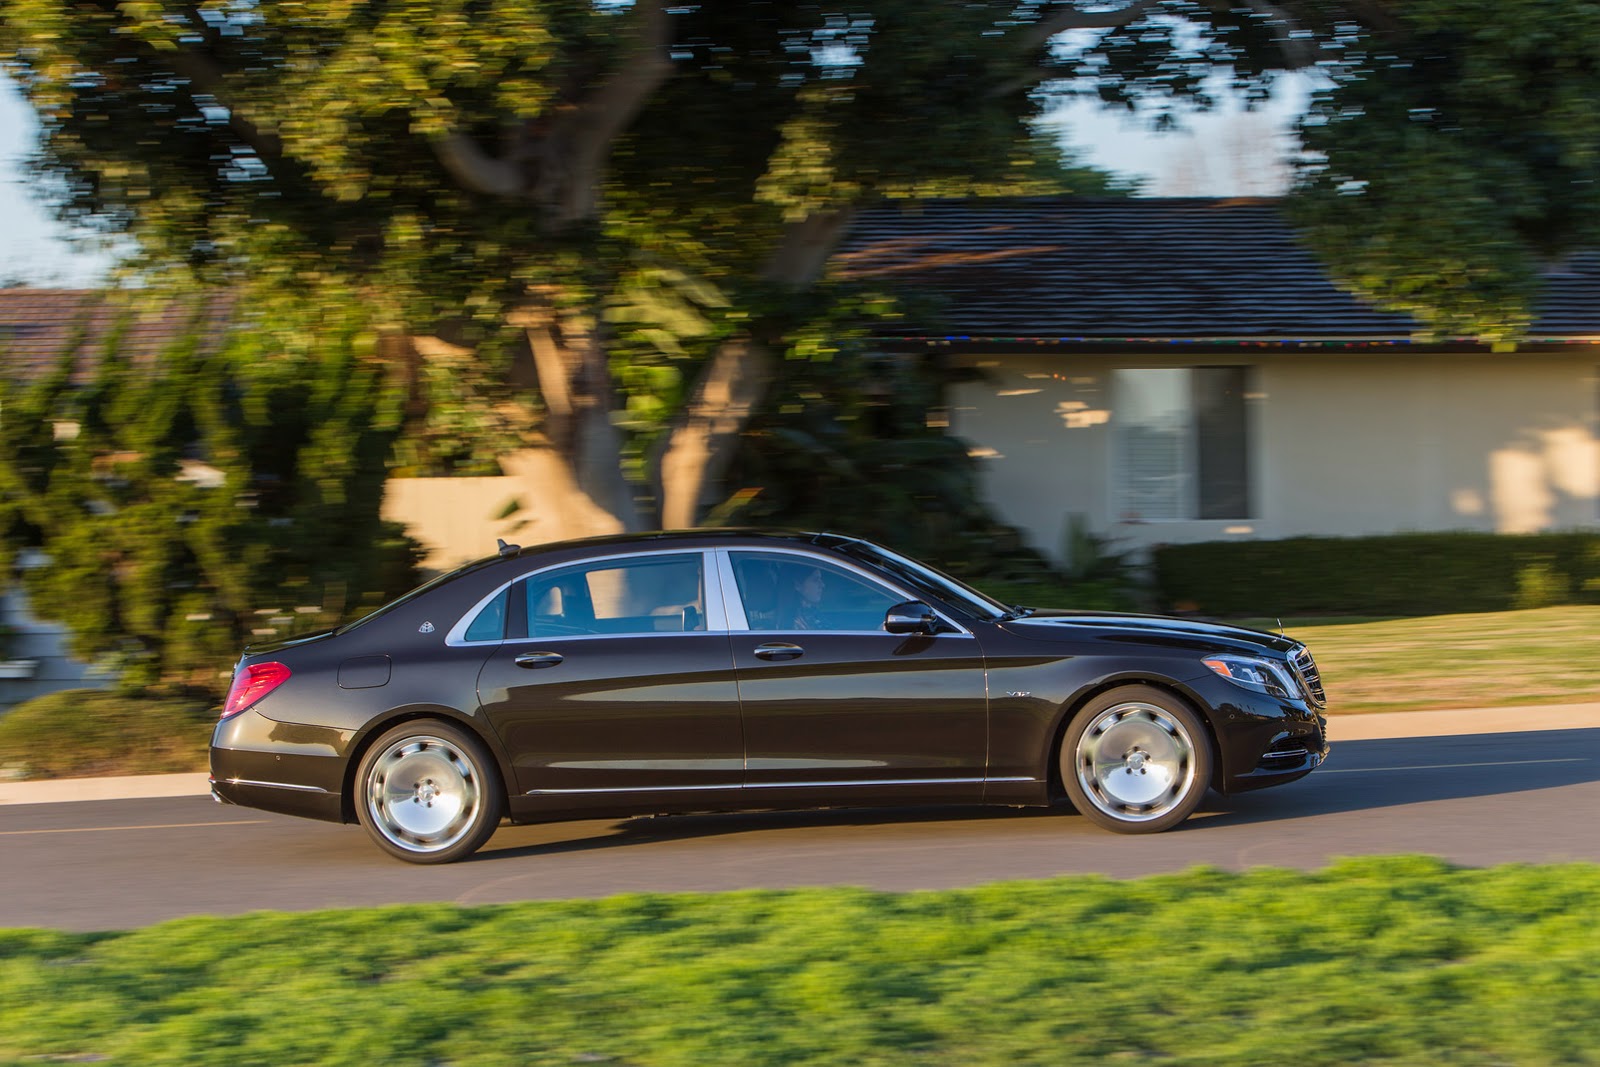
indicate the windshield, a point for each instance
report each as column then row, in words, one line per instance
column 926, row 580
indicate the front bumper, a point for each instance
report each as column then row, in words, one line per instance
column 1261, row 741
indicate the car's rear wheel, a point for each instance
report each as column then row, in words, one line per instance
column 1136, row 760
column 428, row 792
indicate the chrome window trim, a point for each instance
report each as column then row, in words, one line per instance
column 716, row 619
column 731, row 585
column 775, row 785
column 732, row 599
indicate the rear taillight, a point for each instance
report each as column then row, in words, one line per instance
column 251, row 684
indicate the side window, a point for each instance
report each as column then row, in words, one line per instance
column 490, row 625
column 645, row 594
column 786, row 592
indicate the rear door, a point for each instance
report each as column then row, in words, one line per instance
column 615, row 683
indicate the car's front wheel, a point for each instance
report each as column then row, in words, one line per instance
column 1136, row 760
column 428, row 792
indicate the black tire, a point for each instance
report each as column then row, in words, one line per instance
column 427, row 791
column 1136, row 760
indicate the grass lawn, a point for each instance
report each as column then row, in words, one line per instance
column 1380, row 961
column 1543, row 656
column 1506, row 658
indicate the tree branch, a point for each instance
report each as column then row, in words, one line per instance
column 567, row 157
column 206, row 75
column 476, row 170
column 597, row 122
column 1038, row 35
column 806, row 245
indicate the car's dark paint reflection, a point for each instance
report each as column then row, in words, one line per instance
column 705, row 671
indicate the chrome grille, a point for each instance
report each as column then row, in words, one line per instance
column 1305, row 670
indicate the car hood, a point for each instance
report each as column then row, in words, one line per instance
column 1145, row 629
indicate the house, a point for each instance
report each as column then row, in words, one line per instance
column 1150, row 370
column 1178, row 370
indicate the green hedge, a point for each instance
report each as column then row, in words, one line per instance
column 1398, row 574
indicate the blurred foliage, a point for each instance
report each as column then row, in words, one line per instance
column 1456, row 154
column 1403, row 960
column 225, row 488
column 1395, row 574
column 75, row 733
column 852, row 440
column 302, row 147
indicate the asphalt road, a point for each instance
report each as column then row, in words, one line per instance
column 1474, row 799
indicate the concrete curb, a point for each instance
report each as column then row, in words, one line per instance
column 58, row 790
column 1372, row 727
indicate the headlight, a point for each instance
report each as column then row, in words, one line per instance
column 1256, row 675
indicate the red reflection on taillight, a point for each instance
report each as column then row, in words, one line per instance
column 251, row 684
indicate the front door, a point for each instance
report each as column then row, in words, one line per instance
column 835, row 708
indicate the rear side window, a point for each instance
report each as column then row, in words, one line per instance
column 490, row 625
column 645, row 594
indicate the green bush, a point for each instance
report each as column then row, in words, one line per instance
column 77, row 733
column 1398, row 574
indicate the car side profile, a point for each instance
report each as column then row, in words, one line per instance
column 737, row 670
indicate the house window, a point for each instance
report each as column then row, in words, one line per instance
column 1180, row 440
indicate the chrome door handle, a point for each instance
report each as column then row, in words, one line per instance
column 533, row 660
column 779, row 650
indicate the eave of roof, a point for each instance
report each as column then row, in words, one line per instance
column 1090, row 273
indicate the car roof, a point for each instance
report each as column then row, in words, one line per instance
column 688, row 539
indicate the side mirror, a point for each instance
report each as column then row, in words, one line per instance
column 912, row 617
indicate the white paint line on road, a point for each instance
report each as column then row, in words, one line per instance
column 153, row 826
column 1451, row 766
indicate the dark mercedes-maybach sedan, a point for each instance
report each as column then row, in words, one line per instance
column 721, row 670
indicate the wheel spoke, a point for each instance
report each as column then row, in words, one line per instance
column 1135, row 761
column 422, row 794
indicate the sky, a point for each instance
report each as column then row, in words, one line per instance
column 1227, row 152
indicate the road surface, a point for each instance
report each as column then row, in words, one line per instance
column 1474, row 799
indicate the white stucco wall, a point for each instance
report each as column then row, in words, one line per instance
column 458, row 519
column 1340, row 443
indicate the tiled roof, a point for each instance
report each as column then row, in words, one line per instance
column 1083, row 268
column 38, row 326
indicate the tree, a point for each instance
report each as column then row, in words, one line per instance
column 1450, row 156
column 586, row 198
column 597, row 224
column 225, row 491
column 1455, row 155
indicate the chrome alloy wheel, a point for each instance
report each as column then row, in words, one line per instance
column 422, row 793
column 1135, row 761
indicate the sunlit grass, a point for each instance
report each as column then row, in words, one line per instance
column 1507, row 658
column 1397, row 960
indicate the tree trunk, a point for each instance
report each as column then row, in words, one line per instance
column 578, row 469
column 696, row 452
column 701, row 445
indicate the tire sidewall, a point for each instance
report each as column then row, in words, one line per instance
column 1170, row 704
column 492, row 800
